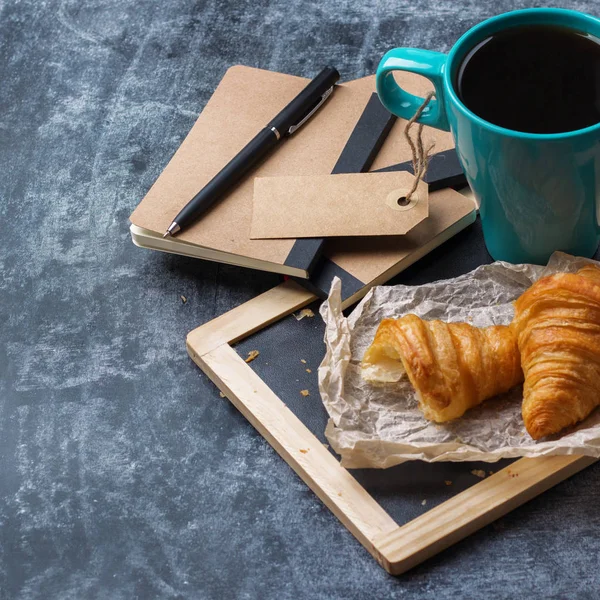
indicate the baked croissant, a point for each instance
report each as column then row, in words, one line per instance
column 452, row 366
column 557, row 325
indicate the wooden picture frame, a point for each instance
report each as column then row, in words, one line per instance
column 397, row 548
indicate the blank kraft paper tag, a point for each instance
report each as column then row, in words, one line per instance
column 356, row 204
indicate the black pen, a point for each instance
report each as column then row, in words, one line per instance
column 291, row 118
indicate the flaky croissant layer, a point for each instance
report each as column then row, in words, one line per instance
column 557, row 326
column 452, row 366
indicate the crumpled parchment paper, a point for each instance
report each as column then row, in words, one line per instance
column 381, row 426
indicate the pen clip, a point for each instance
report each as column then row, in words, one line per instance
column 312, row 112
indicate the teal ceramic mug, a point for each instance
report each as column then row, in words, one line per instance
column 537, row 192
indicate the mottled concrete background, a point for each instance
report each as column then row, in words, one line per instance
column 122, row 472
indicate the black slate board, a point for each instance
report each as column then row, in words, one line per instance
column 401, row 490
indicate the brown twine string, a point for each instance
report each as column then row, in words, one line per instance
column 420, row 155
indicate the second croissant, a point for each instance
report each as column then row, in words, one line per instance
column 557, row 323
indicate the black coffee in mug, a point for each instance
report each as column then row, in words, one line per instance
column 534, row 79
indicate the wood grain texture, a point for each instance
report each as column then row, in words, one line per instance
column 249, row 317
column 470, row 510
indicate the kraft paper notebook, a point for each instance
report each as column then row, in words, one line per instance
column 245, row 100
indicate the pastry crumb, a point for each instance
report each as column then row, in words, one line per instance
column 424, row 502
column 490, row 472
column 326, row 445
column 303, row 450
column 339, row 493
column 478, row 473
column 309, row 370
column 302, row 361
column 251, row 355
column 183, row 299
column 222, row 394
column 448, row 482
column 305, row 312
column 305, row 393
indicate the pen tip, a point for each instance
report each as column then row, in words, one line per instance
column 171, row 229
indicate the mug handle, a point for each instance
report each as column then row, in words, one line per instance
column 400, row 102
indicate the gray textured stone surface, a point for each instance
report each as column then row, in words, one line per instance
column 122, row 472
